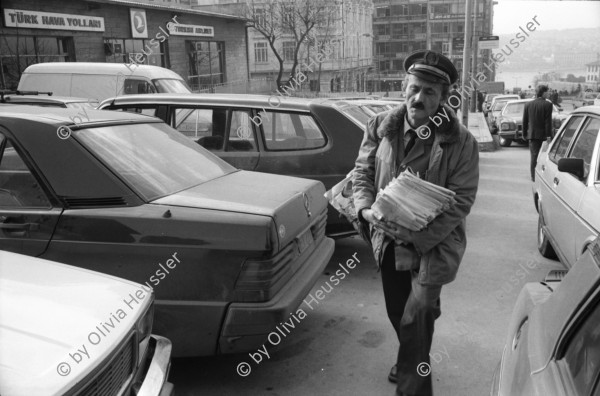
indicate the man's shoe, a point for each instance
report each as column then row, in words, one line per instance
column 392, row 376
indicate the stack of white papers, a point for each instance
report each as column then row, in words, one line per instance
column 412, row 202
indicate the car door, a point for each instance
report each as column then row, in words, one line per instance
column 293, row 144
column 559, row 204
column 587, row 221
column 228, row 133
column 578, row 354
column 27, row 217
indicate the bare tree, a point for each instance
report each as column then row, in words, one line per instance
column 277, row 20
column 324, row 32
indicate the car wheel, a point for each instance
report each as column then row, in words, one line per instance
column 504, row 142
column 544, row 245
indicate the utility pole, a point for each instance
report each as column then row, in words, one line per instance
column 475, row 47
column 466, row 61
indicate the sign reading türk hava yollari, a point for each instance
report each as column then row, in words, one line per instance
column 52, row 20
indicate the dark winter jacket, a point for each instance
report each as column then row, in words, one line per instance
column 537, row 119
column 453, row 163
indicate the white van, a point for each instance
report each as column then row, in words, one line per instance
column 99, row 81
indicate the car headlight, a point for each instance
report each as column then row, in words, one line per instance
column 508, row 126
column 144, row 324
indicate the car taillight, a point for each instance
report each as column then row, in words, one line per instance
column 260, row 280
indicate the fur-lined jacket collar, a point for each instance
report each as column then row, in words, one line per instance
column 447, row 132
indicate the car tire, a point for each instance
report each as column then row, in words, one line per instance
column 504, row 142
column 544, row 246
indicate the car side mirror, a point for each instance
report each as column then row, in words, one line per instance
column 573, row 166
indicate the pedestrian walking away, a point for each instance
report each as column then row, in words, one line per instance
column 416, row 264
column 537, row 124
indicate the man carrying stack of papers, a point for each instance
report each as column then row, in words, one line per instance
column 411, row 202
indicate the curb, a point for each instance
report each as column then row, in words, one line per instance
column 489, row 146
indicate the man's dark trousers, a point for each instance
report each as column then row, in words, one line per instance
column 412, row 309
column 534, row 148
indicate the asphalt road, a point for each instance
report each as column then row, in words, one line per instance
column 346, row 346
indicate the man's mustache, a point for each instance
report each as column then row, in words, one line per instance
column 418, row 105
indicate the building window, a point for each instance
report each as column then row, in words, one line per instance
column 207, row 63
column 381, row 12
column 261, row 52
column 260, row 17
column 445, row 48
column 135, row 51
column 289, row 47
column 19, row 52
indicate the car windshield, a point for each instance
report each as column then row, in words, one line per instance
column 164, row 85
column 154, row 159
column 514, row 109
column 499, row 105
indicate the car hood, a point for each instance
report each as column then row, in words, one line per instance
column 47, row 312
column 292, row 202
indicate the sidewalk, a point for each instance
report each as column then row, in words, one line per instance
column 479, row 128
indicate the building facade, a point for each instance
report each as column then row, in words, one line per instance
column 592, row 75
column 348, row 23
column 401, row 27
column 205, row 48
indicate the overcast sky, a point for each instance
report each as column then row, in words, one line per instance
column 510, row 14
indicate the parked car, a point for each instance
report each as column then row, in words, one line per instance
column 553, row 344
column 597, row 100
column 125, row 194
column 566, row 191
column 487, row 102
column 360, row 112
column 373, row 107
column 100, row 80
column 67, row 331
column 585, row 99
column 496, row 107
column 283, row 135
column 36, row 99
column 510, row 121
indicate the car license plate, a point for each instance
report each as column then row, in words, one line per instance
column 304, row 241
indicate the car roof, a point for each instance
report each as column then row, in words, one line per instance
column 60, row 157
column 593, row 109
column 367, row 102
column 64, row 116
column 101, row 68
column 46, row 99
column 500, row 97
column 274, row 102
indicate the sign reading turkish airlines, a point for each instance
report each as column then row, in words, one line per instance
column 52, row 20
column 139, row 23
column 178, row 29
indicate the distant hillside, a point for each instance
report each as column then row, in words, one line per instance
column 565, row 50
